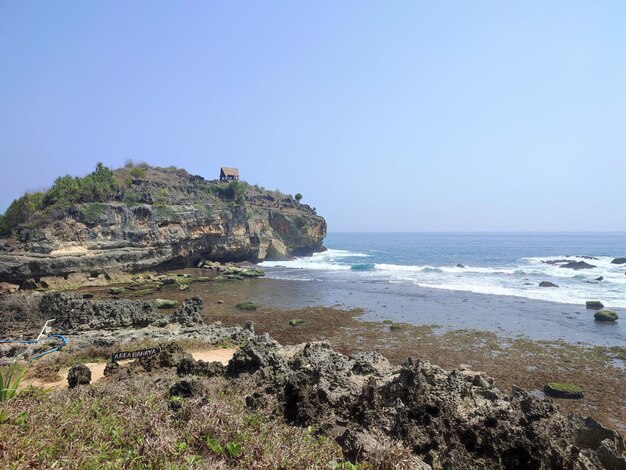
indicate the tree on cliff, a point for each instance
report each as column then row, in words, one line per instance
column 298, row 196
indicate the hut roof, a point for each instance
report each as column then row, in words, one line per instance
column 226, row 171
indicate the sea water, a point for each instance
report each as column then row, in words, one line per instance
column 476, row 280
column 499, row 264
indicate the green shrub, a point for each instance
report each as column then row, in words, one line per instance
column 93, row 211
column 138, row 172
column 21, row 210
column 298, row 197
column 98, row 186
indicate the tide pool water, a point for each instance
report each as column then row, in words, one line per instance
column 497, row 264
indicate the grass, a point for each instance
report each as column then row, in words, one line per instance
column 130, row 424
column 10, row 378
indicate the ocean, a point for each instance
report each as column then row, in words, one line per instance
column 498, row 274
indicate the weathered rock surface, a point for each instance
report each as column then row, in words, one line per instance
column 619, row 261
column 168, row 218
column 109, row 322
column 79, row 374
column 449, row 419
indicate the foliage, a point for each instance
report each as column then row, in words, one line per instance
column 233, row 191
column 298, row 197
column 98, row 186
column 21, row 210
column 138, row 172
column 131, row 198
column 92, row 211
column 10, row 378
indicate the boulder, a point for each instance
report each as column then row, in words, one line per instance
column 563, row 390
column 601, row 278
column 605, row 315
column 460, row 265
column 547, row 284
column 594, row 304
column 79, row 374
column 576, row 265
column 619, row 261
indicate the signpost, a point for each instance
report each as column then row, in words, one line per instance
column 118, row 356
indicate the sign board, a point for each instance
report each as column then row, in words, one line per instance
column 118, row 356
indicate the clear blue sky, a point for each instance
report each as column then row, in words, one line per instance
column 386, row 116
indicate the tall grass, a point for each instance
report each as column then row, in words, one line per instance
column 10, row 378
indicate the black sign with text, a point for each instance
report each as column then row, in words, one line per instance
column 118, row 356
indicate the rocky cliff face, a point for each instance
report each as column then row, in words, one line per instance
column 163, row 218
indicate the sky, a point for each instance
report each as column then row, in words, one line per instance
column 386, row 116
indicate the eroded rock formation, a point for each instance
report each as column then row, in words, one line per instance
column 166, row 218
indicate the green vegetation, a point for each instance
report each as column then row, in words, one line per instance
column 98, row 186
column 93, row 211
column 563, row 390
column 164, row 303
column 131, row 424
column 249, row 306
column 10, row 378
column 388, row 322
column 298, row 197
column 138, row 172
column 296, row 322
column 234, row 191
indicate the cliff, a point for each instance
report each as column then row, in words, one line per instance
column 140, row 218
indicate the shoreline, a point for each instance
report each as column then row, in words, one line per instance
column 510, row 317
column 512, row 361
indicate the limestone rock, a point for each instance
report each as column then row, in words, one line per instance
column 79, row 374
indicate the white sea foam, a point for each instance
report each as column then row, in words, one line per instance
column 520, row 280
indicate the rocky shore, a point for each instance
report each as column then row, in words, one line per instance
column 443, row 418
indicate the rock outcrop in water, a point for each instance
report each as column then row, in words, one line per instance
column 159, row 218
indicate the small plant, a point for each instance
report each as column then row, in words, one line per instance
column 214, row 445
column 249, row 306
column 388, row 322
column 296, row 322
column 233, row 449
column 10, row 378
column 298, row 197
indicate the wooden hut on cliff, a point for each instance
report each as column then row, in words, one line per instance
column 229, row 174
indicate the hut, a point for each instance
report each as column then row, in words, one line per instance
column 229, row 174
